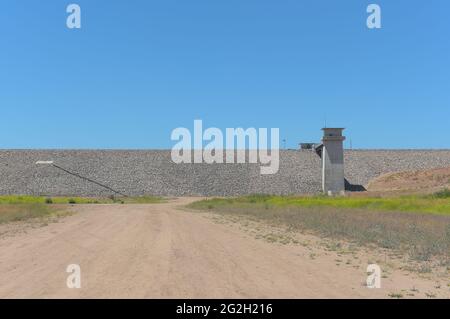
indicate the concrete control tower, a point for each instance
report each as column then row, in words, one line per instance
column 333, row 161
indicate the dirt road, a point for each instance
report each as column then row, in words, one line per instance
column 161, row 251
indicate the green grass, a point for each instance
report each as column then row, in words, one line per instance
column 18, row 208
column 417, row 225
column 19, row 212
column 438, row 203
column 17, row 199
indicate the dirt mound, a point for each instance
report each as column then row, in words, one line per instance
column 423, row 180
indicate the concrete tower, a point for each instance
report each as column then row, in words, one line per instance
column 333, row 161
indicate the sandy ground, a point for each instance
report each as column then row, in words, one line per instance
column 422, row 181
column 162, row 251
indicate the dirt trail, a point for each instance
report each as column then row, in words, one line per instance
column 160, row 251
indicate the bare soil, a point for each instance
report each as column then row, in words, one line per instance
column 419, row 180
column 166, row 251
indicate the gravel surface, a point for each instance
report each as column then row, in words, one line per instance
column 151, row 172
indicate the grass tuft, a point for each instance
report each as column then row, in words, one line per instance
column 445, row 193
column 19, row 212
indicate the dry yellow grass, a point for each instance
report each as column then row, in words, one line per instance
column 19, row 212
column 416, row 225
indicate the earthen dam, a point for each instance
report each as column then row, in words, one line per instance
column 152, row 172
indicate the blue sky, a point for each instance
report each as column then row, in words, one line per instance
column 138, row 69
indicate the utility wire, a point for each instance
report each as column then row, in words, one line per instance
column 89, row 180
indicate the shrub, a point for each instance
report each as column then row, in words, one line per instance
column 445, row 193
column 48, row 200
column 72, row 201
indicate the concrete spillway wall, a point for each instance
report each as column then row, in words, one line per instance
column 151, row 172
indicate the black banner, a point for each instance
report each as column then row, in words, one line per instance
column 221, row 308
